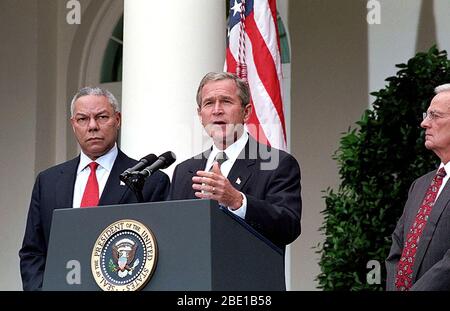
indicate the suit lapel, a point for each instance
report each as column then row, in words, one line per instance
column 114, row 191
column 238, row 175
column 419, row 195
column 65, row 184
column 241, row 172
column 436, row 212
column 198, row 164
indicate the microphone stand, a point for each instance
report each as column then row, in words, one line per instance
column 135, row 182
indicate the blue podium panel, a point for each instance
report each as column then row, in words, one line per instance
column 199, row 247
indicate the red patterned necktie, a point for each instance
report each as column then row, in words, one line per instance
column 90, row 196
column 405, row 265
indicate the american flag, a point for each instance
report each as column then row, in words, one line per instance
column 253, row 53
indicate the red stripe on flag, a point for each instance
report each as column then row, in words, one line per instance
column 230, row 62
column 266, row 68
column 273, row 10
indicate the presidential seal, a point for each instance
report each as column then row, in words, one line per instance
column 124, row 256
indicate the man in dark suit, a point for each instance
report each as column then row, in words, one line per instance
column 255, row 182
column 95, row 120
column 419, row 258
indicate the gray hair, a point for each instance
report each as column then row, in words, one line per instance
column 96, row 91
column 242, row 86
column 442, row 88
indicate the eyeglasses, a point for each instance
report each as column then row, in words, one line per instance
column 433, row 115
column 83, row 120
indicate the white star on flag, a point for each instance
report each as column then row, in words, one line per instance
column 236, row 8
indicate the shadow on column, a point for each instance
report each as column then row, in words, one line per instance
column 426, row 32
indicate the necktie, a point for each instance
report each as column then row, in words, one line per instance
column 220, row 158
column 405, row 266
column 90, row 195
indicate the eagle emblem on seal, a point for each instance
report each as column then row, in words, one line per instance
column 122, row 261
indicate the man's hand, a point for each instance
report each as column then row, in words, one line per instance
column 213, row 185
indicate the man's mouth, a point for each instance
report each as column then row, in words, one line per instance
column 94, row 139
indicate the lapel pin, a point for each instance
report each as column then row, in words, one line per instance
column 238, row 181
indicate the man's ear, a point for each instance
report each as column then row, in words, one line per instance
column 72, row 122
column 247, row 112
column 118, row 117
column 199, row 114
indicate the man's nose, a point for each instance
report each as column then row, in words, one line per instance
column 217, row 108
column 93, row 125
column 425, row 123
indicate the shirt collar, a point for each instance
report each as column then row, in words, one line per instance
column 106, row 161
column 234, row 149
column 446, row 167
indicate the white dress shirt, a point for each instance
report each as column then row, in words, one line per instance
column 105, row 164
column 232, row 153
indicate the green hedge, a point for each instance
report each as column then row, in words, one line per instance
column 378, row 160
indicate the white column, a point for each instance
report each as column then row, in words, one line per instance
column 282, row 7
column 168, row 47
column 387, row 47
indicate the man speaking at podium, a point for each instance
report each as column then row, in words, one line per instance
column 255, row 182
column 89, row 180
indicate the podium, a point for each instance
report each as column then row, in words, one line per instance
column 200, row 247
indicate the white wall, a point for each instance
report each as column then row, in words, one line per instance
column 329, row 92
column 18, row 82
column 407, row 27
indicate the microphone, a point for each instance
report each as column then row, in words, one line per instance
column 163, row 161
column 145, row 161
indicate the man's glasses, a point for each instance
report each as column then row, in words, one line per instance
column 433, row 115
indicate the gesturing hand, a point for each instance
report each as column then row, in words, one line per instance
column 213, row 185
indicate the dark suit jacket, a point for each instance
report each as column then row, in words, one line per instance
column 53, row 189
column 431, row 269
column 273, row 195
